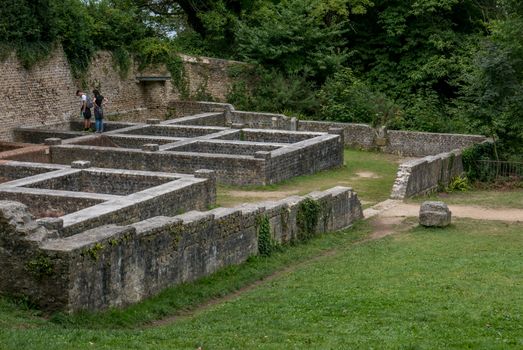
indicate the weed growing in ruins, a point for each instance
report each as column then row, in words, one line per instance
column 458, row 184
column 122, row 61
column 176, row 234
column 307, row 218
column 178, row 76
column 94, row 251
column 266, row 244
column 40, row 267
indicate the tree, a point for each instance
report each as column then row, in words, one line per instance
column 493, row 92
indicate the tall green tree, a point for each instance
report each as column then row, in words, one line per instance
column 493, row 90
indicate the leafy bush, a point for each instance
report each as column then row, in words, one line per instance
column 345, row 98
column 458, row 184
column 270, row 90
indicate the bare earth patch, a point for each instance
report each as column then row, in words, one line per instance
column 262, row 194
column 367, row 175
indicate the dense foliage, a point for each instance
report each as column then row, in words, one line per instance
column 442, row 66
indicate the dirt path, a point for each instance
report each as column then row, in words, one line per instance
column 460, row 211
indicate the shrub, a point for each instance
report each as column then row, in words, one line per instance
column 458, row 184
column 346, row 98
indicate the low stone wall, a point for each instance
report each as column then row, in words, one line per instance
column 420, row 176
column 115, row 266
column 355, row 135
column 420, row 144
column 233, row 168
column 188, row 108
column 86, row 198
column 226, row 147
column 167, row 130
column 19, row 170
column 64, row 131
column 25, row 152
column 306, row 157
column 202, row 119
column 406, row 143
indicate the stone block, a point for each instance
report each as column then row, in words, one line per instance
column 262, row 155
column 294, row 124
column 381, row 141
column 274, row 122
column 15, row 219
column 237, row 126
column 151, row 147
column 53, row 141
column 339, row 132
column 51, row 223
column 205, row 174
column 81, row 164
column 434, row 214
column 153, row 121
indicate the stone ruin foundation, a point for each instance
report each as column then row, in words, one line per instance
column 92, row 221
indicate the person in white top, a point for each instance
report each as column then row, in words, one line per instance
column 85, row 109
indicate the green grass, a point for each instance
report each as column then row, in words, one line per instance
column 483, row 198
column 370, row 190
column 459, row 287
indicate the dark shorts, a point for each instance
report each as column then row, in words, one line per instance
column 87, row 113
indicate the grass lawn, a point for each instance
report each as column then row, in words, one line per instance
column 460, row 287
column 483, row 198
column 371, row 174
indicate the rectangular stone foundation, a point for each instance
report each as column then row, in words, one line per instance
column 88, row 198
column 113, row 266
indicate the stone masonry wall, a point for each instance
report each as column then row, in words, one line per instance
column 115, row 266
column 235, row 169
column 406, row 143
column 45, row 94
column 420, row 176
column 42, row 95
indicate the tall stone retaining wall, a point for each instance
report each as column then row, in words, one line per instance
column 45, row 94
column 420, row 176
column 114, row 266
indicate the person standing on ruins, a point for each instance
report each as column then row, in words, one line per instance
column 87, row 104
column 98, row 111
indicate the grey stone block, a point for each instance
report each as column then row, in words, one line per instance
column 81, row 164
column 205, row 174
column 53, row 141
column 262, row 155
column 434, row 214
column 51, row 223
column 294, row 124
column 153, row 121
column 151, row 147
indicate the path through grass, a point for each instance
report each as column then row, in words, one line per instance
column 478, row 197
column 460, row 287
